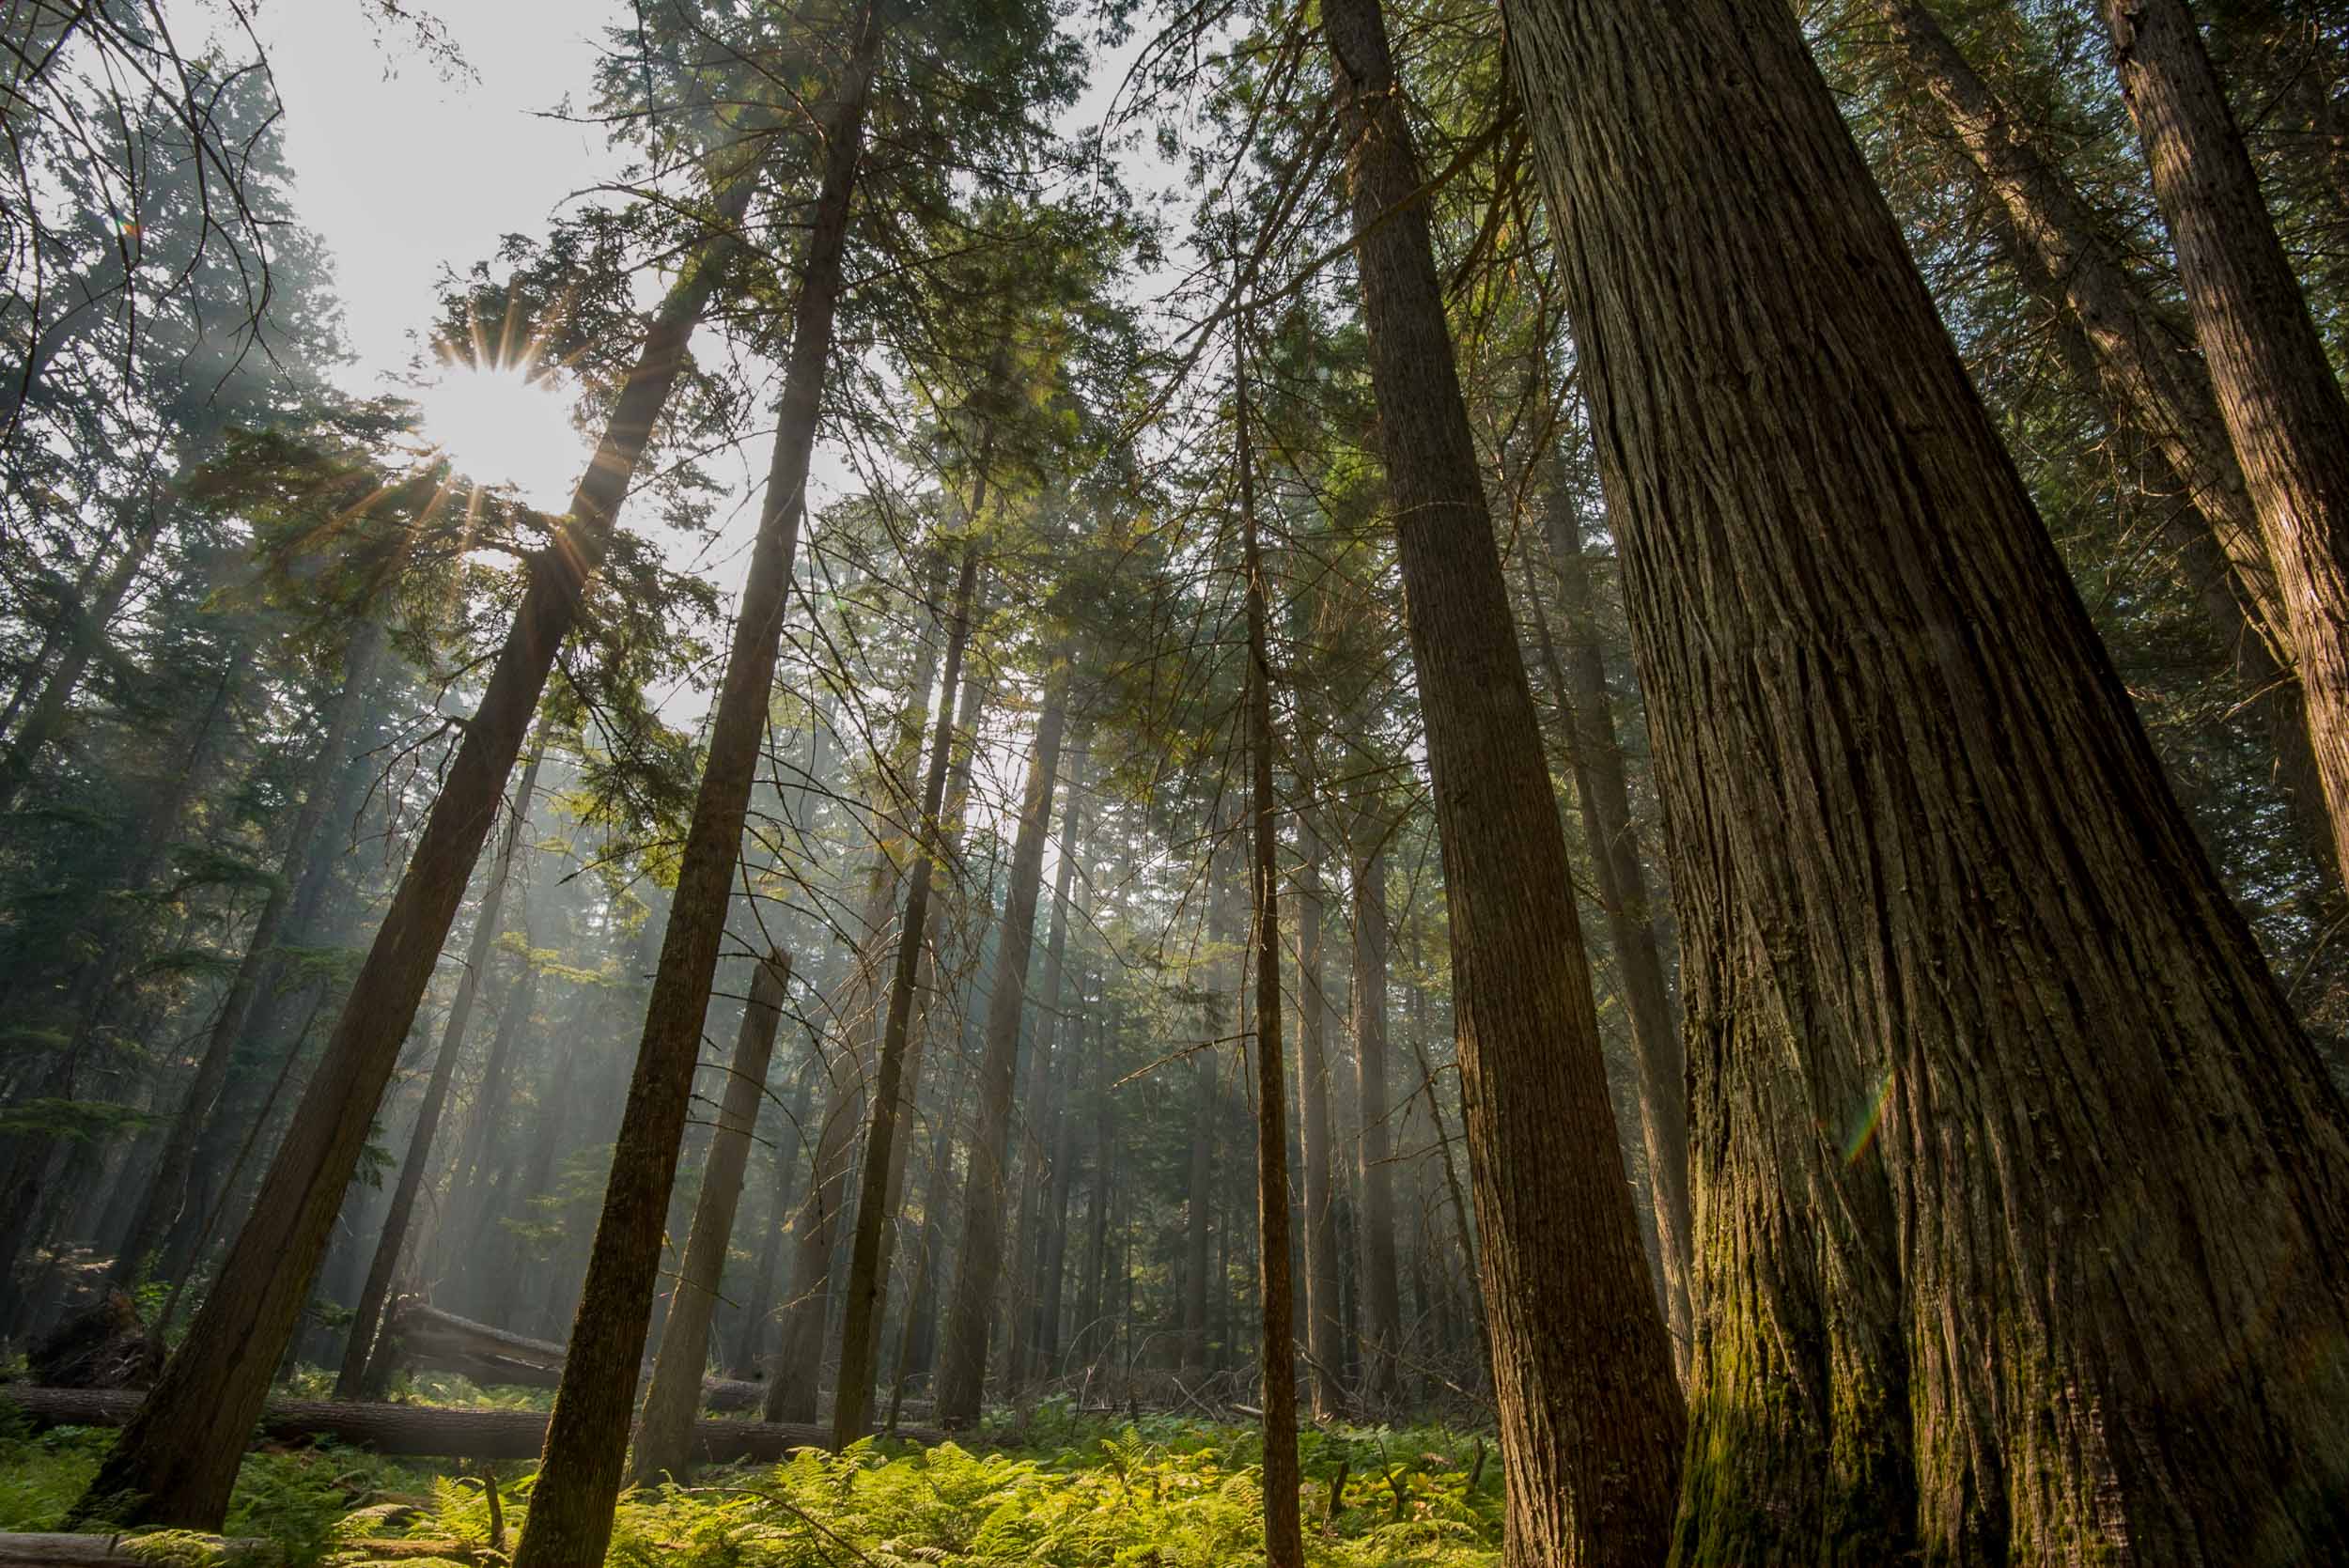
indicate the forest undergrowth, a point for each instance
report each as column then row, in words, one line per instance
column 1048, row 1487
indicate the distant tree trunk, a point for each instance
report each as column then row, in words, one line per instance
column 979, row 1261
column 1952, row 962
column 357, row 1377
column 2133, row 361
column 177, row 1460
column 1284, row 1537
column 1065, row 1063
column 2277, row 391
column 167, row 1188
column 750, row 1342
column 664, row 1434
column 1381, row 1292
column 1590, row 1416
column 578, row 1479
column 860, row 1328
column 1325, row 1325
column 1604, row 796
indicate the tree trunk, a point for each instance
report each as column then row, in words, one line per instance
column 360, row 1347
column 1952, row 962
column 2282, row 405
column 1325, row 1325
column 860, row 1328
column 178, row 1459
column 978, row 1269
column 749, row 1343
column 1591, row 1421
column 1284, row 1537
column 665, row 1429
column 1381, row 1292
column 2138, row 364
column 571, row 1510
column 1604, row 796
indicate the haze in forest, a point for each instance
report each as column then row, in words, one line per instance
column 1452, row 782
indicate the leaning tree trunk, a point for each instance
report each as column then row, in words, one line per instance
column 2007, row 1142
column 178, row 1459
column 363, row 1371
column 579, row 1478
column 860, row 1328
column 664, row 1432
column 2282, row 405
column 751, row 1339
column 979, row 1261
column 1591, row 1421
column 2131, row 359
column 1283, row 1536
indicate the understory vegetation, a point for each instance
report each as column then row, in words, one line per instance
column 1047, row 1487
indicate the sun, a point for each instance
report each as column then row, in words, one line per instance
column 502, row 428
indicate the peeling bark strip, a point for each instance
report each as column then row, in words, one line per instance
column 1590, row 1412
column 178, row 1459
column 2019, row 1196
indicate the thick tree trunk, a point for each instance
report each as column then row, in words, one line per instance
column 2007, row 1137
column 1381, row 1293
column 1591, row 1421
column 860, row 1328
column 2276, row 393
column 978, row 1268
column 665, row 1429
column 1283, row 1536
column 354, row 1376
column 579, row 1478
column 178, row 1459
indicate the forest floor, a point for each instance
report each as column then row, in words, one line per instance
column 1051, row 1487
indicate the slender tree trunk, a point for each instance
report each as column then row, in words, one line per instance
column 2277, row 391
column 578, row 1479
column 1284, row 1537
column 1382, row 1294
column 167, row 1188
column 860, row 1328
column 665, row 1430
column 1591, row 1421
column 962, row 1360
column 1325, row 1325
column 1604, row 796
column 1952, row 962
column 360, row 1349
column 177, row 1460
column 749, row 1343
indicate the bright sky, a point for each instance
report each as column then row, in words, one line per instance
column 403, row 172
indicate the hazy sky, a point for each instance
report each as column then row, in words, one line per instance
column 403, row 171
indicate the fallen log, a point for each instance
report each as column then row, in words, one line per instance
column 439, row 1431
column 111, row 1551
column 426, row 1339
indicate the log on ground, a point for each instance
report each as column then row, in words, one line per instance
column 432, row 1430
column 112, row 1551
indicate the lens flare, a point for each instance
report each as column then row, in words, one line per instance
column 501, row 427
